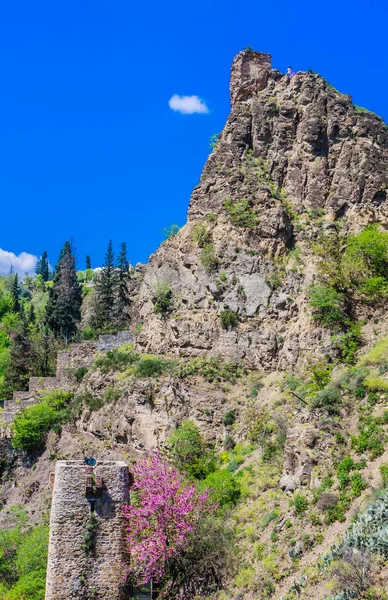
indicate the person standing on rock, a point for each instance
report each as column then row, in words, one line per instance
column 289, row 72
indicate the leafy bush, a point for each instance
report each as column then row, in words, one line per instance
column 384, row 474
column 224, row 488
column 162, row 298
column 80, row 374
column 348, row 343
column 370, row 438
column 241, row 213
column 190, row 453
column 212, row 369
column 23, row 559
column 300, row 504
column 209, row 258
column 327, row 305
column 230, row 417
column 151, row 366
column 329, row 399
column 213, row 141
column 201, row 234
column 31, row 424
column 118, row 359
column 228, row 319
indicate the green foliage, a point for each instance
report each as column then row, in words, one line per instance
column 328, row 399
column 212, row 369
column 152, row 366
column 162, row 298
column 63, row 310
column 90, row 537
column 229, row 418
column 300, row 504
column 209, row 258
column 213, row 141
column 189, row 451
column 118, row 359
column 349, row 342
column 371, row 437
column 327, row 305
column 80, row 374
column 31, row 424
column 170, row 231
column 228, row 319
column 384, row 474
column 224, row 488
column 211, row 218
column 23, row 558
column 201, row 234
column 241, row 213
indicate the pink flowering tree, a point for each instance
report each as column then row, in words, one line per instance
column 164, row 511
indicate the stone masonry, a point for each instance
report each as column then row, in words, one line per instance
column 68, row 361
column 79, row 492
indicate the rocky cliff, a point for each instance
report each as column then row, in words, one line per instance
column 295, row 159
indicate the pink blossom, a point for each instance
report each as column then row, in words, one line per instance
column 163, row 513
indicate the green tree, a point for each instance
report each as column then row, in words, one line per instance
column 63, row 311
column 15, row 294
column 105, row 292
column 19, row 366
column 123, row 277
column 190, row 453
column 42, row 266
column 88, row 264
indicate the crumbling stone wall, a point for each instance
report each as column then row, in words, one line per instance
column 72, row 572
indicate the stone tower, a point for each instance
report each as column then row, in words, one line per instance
column 86, row 534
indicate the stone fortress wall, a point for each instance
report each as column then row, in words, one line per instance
column 79, row 492
column 68, row 361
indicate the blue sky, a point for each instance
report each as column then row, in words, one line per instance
column 90, row 147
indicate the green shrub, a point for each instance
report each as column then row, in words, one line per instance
column 327, row 305
column 384, row 474
column 209, row 258
column 30, row 425
column 152, row 366
column 86, row 399
column 229, row 418
column 300, row 504
column 241, row 213
column 23, row 560
column 370, row 438
column 118, row 359
column 214, row 141
column 224, row 488
column 201, row 234
column 329, row 399
column 189, row 451
column 80, row 374
column 212, row 369
column 228, row 319
column 349, row 343
column 162, row 298
column 90, row 537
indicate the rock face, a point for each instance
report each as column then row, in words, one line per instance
column 294, row 159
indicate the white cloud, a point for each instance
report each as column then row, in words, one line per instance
column 24, row 263
column 187, row 105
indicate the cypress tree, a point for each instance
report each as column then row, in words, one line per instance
column 42, row 266
column 15, row 294
column 63, row 311
column 88, row 264
column 105, row 292
column 123, row 276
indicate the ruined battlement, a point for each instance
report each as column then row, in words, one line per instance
column 83, row 495
column 249, row 74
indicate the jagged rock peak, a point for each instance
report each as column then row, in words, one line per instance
column 249, row 73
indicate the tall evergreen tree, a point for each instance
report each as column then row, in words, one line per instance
column 88, row 262
column 42, row 266
column 122, row 295
column 19, row 366
column 15, row 294
column 105, row 292
column 63, row 311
